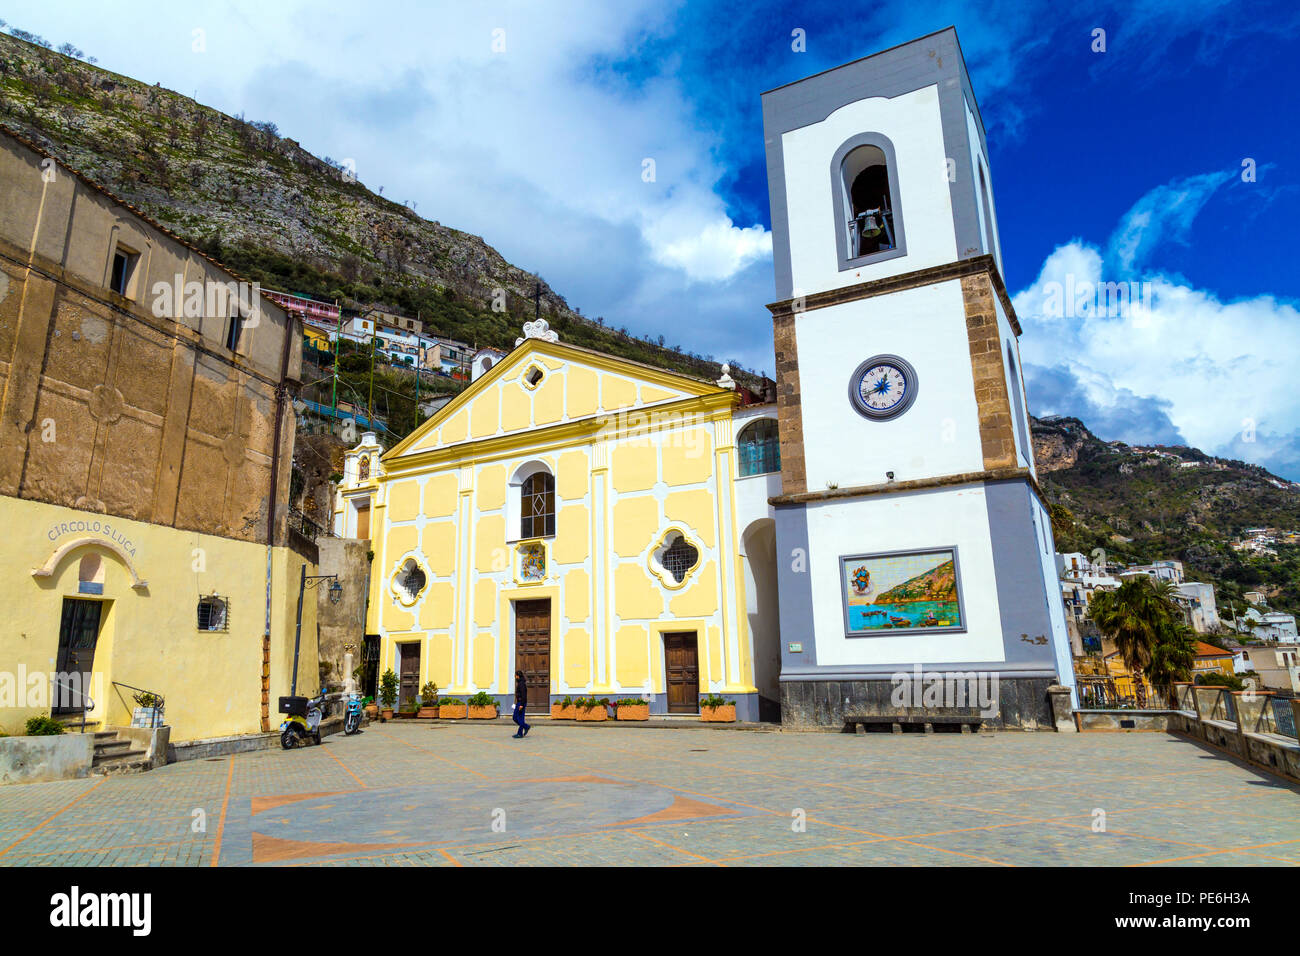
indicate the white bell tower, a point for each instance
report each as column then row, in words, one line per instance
column 907, row 467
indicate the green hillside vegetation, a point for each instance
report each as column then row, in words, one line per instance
column 1140, row 507
column 277, row 214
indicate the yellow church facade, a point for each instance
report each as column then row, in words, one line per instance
column 575, row 516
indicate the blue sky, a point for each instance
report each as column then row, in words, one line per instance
column 1115, row 166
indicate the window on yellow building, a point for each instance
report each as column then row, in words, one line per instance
column 409, row 581
column 212, row 614
column 537, row 506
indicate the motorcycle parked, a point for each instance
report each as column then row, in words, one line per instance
column 302, row 720
column 352, row 716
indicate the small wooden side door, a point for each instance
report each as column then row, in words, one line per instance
column 683, row 672
column 533, row 652
column 409, row 679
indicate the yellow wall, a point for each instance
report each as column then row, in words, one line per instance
column 148, row 636
column 623, row 482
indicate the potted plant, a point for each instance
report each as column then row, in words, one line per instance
column 589, row 708
column 148, row 710
column 715, row 709
column 632, row 708
column 371, row 708
column 449, row 708
column 387, row 693
column 482, row 706
column 564, row 710
column 428, row 700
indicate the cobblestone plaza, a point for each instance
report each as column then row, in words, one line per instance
column 405, row 793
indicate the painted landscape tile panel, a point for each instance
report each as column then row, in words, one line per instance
column 901, row 592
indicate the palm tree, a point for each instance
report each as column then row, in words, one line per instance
column 1172, row 657
column 1141, row 618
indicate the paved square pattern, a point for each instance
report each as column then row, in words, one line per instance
column 452, row 794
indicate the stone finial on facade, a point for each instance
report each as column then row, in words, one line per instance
column 540, row 329
column 726, row 381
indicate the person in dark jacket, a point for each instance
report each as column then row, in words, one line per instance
column 521, row 701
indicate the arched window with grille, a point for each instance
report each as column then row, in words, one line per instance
column 758, row 448
column 537, row 506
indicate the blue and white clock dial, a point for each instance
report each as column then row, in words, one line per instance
column 883, row 387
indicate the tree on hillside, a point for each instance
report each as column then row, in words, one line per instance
column 1172, row 656
column 1148, row 630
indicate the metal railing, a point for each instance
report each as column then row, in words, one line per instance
column 1283, row 717
column 299, row 521
column 87, row 703
column 157, row 709
column 1102, row 693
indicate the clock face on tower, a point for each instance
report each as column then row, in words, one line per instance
column 882, row 387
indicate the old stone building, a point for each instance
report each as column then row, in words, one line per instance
column 147, row 433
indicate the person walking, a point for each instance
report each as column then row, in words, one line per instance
column 521, row 702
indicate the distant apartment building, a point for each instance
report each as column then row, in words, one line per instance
column 310, row 310
column 1273, row 626
column 1208, row 659
column 452, row 358
column 1171, row 571
column 1277, row 665
column 1080, row 580
column 1199, row 605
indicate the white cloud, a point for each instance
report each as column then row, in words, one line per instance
column 1165, row 214
column 708, row 251
column 1219, row 373
column 534, row 148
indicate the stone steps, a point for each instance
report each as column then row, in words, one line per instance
column 114, row 755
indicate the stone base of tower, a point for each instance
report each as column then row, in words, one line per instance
column 1022, row 703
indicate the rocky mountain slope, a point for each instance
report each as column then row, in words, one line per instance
column 1144, row 503
column 274, row 212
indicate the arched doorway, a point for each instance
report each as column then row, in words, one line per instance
column 763, row 612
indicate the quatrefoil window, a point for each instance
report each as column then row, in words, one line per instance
column 409, row 582
column 674, row 558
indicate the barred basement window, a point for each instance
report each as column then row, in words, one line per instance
column 213, row 614
column 679, row 557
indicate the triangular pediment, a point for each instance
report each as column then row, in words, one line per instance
column 541, row 384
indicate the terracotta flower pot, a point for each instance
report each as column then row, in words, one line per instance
column 427, row 712
column 633, row 711
column 719, row 715
column 387, row 713
column 451, row 711
column 592, row 713
column 372, row 710
column 488, row 712
column 560, row 712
